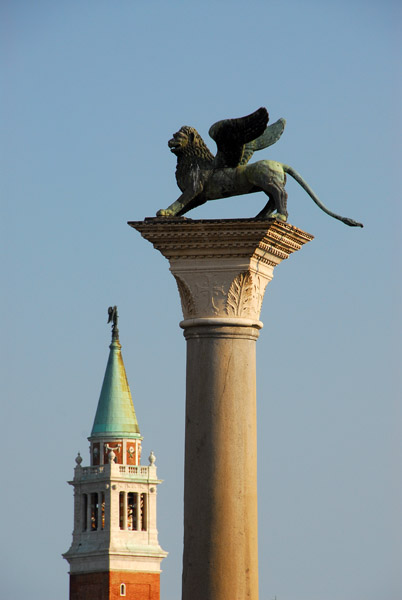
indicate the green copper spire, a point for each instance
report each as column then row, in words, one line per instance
column 115, row 415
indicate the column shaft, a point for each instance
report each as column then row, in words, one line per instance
column 220, row 558
column 124, row 511
column 99, row 511
column 89, row 511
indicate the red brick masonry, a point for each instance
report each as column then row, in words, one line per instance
column 106, row 586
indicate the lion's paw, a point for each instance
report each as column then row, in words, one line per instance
column 165, row 212
column 281, row 217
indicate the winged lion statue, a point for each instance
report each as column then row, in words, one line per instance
column 201, row 176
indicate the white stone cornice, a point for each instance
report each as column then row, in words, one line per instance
column 219, row 238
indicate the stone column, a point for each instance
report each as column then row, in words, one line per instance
column 89, row 511
column 221, row 268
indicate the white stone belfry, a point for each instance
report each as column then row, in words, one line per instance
column 222, row 268
column 115, row 519
column 115, row 546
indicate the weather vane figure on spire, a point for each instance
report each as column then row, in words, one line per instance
column 201, row 176
column 113, row 318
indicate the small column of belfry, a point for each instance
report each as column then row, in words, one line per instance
column 221, row 268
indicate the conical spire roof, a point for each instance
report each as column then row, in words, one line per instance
column 115, row 415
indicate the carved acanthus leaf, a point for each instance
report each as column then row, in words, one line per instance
column 259, row 291
column 187, row 300
column 240, row 296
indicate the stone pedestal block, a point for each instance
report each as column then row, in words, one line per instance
column 222, row 268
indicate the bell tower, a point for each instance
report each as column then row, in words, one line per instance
column 115, row 550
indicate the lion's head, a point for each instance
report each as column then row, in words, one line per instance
column 188, row 143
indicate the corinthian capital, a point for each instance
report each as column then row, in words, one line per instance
column 222, row 267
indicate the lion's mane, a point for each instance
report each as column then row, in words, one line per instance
column 192, row 155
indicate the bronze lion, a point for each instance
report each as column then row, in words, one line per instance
column 202, row 176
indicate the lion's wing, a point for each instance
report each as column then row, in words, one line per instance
column 270, row 136
column 231, row 135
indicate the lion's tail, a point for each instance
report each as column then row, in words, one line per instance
column 314, row 197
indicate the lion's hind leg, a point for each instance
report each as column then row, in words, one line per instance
column 277, row 200
column 269, row 177
column 267, row 211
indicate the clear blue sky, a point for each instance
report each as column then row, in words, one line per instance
column 91, row 92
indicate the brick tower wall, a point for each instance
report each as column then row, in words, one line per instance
column 106, row 586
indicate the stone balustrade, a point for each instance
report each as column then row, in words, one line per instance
column 116, row 471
